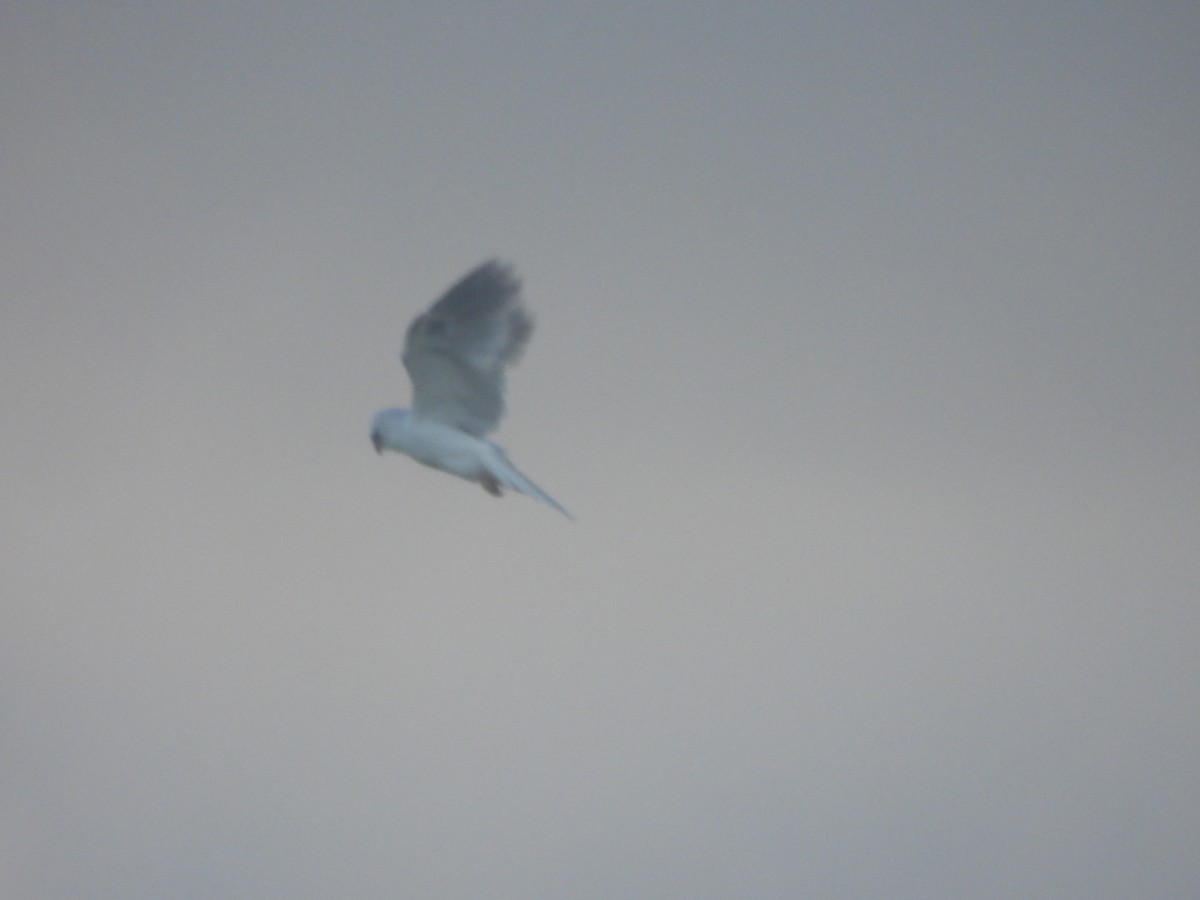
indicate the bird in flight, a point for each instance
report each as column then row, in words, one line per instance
column 456, row 354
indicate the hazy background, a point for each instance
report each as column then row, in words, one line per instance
column 867, row 358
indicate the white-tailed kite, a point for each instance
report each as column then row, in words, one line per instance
column 456, row 354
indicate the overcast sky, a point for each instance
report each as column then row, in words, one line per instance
column 866, row 357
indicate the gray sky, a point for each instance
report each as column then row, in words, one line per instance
column 866, row 358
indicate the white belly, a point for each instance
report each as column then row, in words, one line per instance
column 445, row 448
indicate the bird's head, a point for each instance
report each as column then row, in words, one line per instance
column 386, row 428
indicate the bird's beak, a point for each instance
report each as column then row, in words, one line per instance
column 378, row 442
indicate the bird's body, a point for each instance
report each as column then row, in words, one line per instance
column 456, row 355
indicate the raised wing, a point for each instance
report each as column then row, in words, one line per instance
column 456, row 353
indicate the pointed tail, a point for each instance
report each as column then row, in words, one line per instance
column 510, row 476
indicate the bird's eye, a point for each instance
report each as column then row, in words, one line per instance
column 437, row 327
